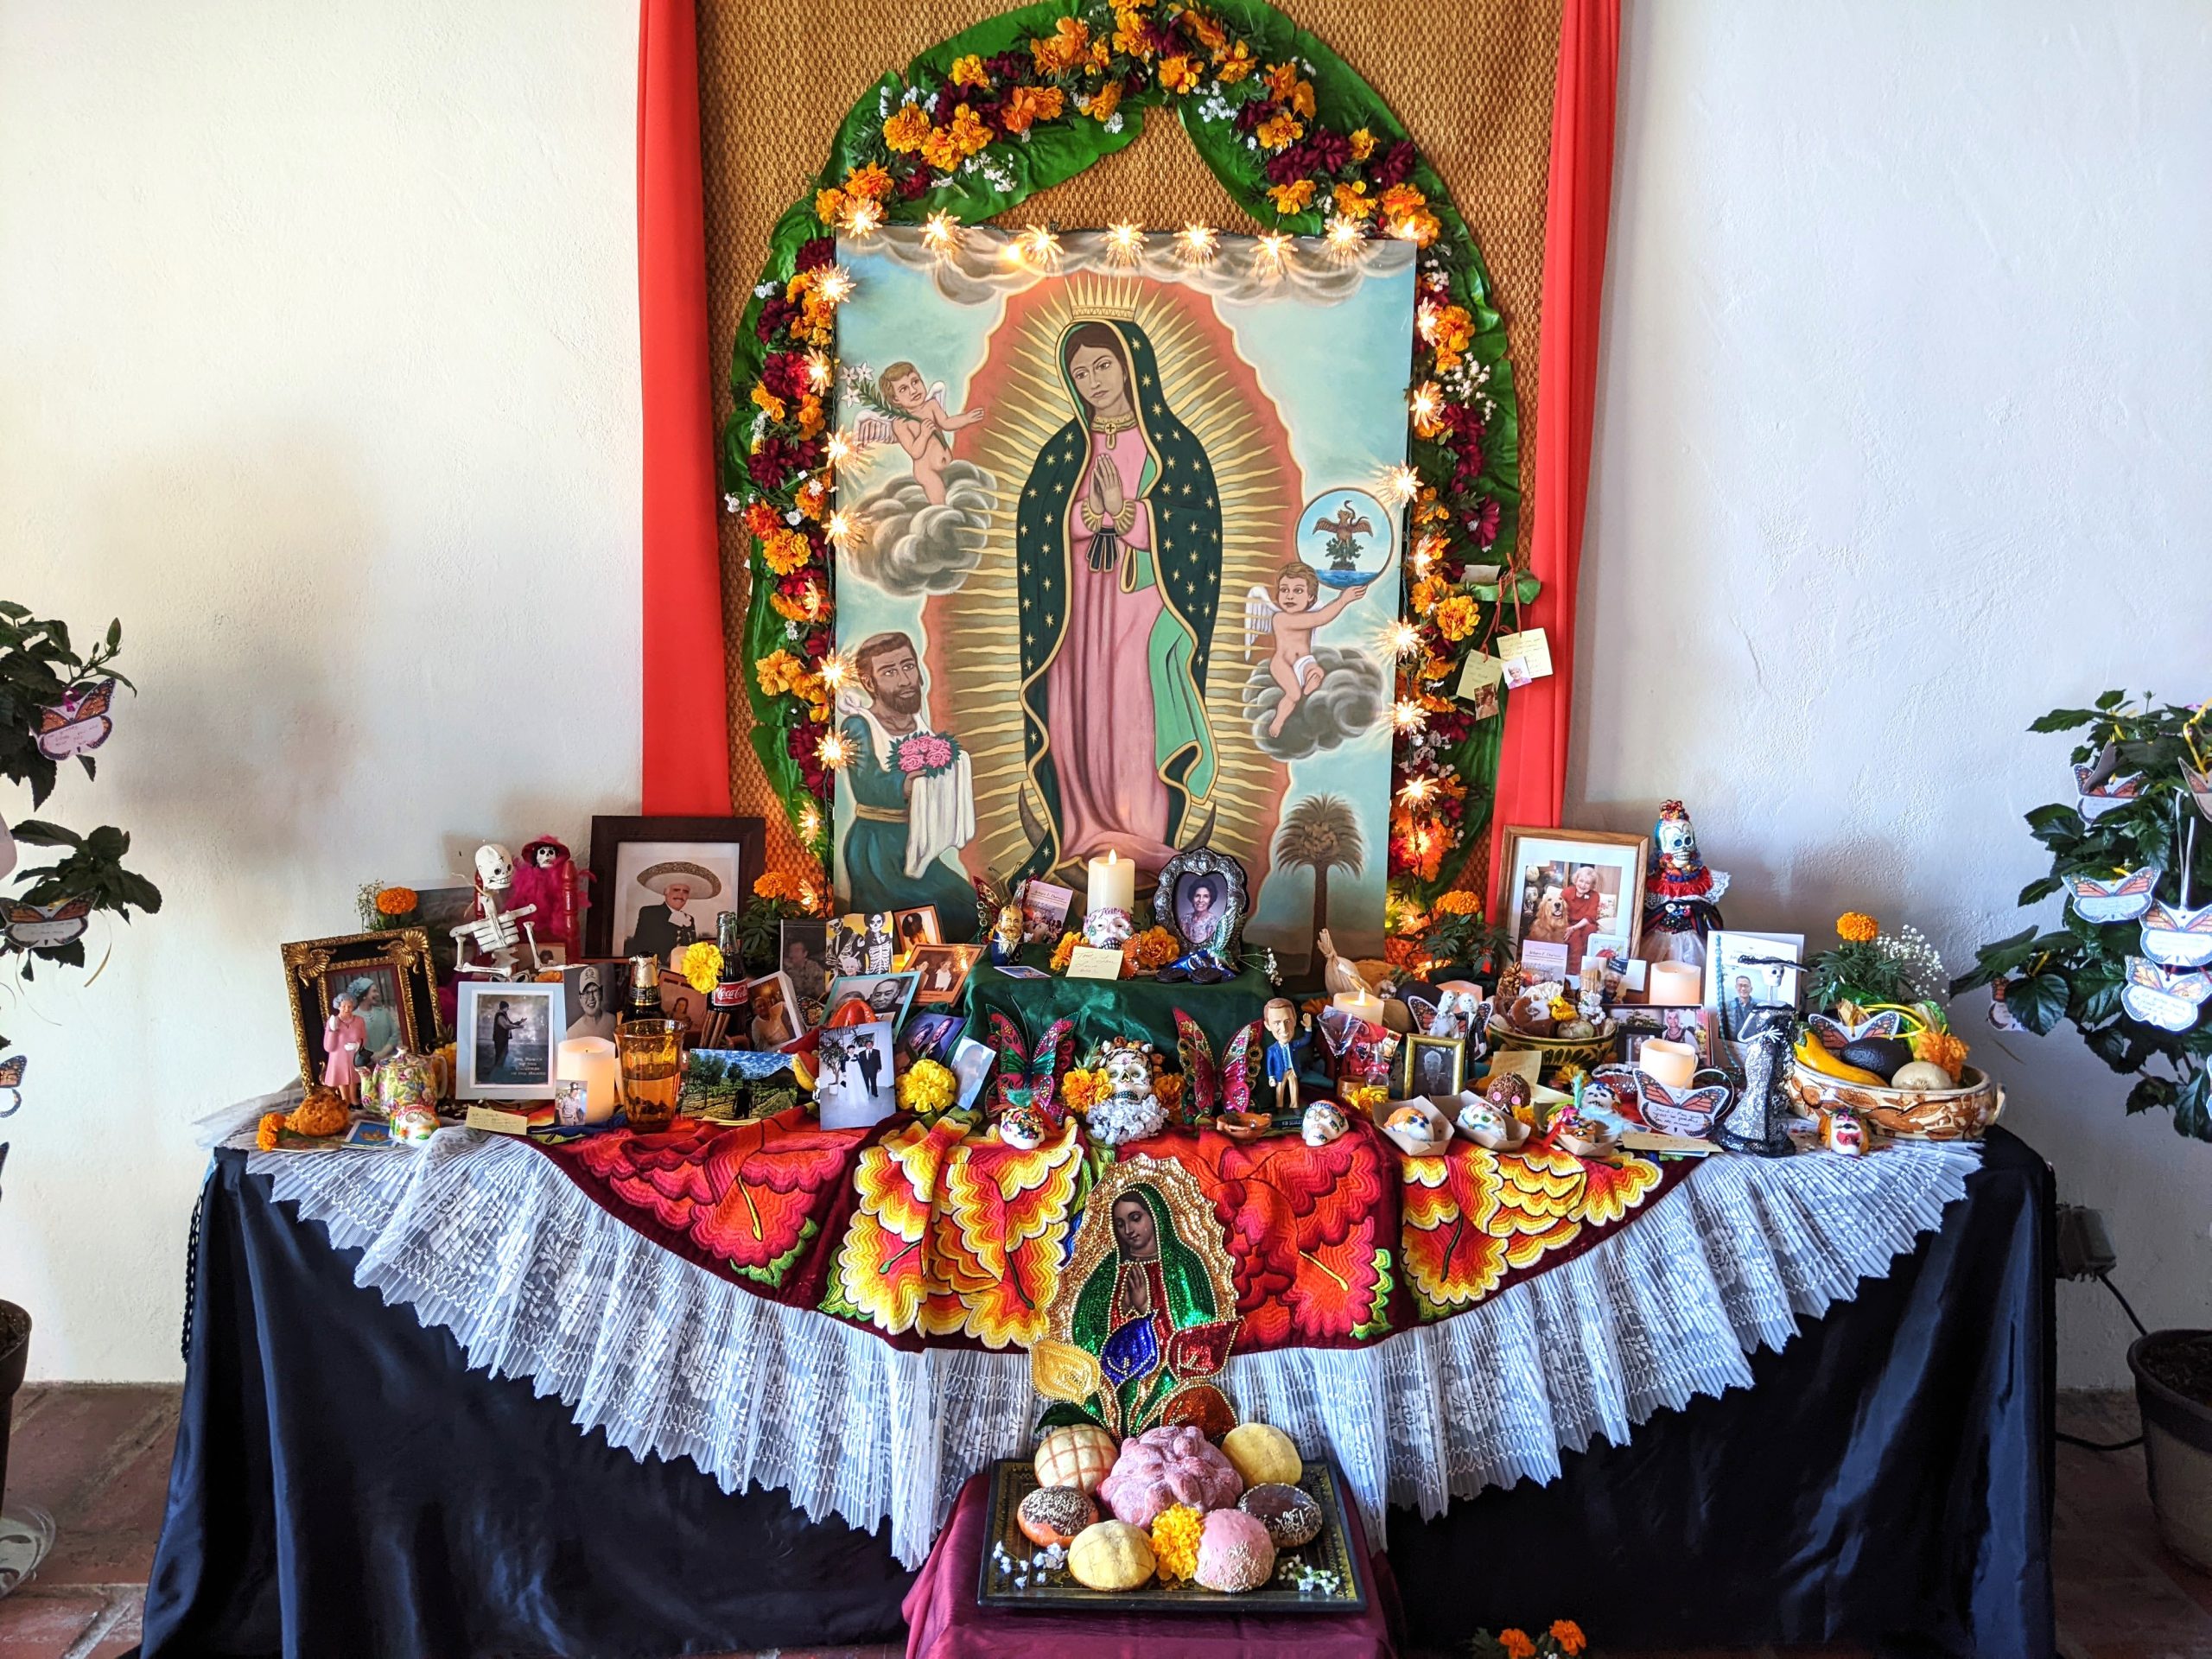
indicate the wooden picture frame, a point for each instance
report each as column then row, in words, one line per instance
column 1527, row 847
column 398, row 956
column 742, row 842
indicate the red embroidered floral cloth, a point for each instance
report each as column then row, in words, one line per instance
column 934, row 1233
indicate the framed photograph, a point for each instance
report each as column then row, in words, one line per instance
column 1563, row 890
column 386, row 979
column 1201, row 900
column 506, row 1038
column 971, row 1064
column 915, row 928
column 942, row 971
column 1044, row 911
column 855, row 1077
column 931, row 1035
column 864, row 944
column 776, row 1014
column 1640, row 1024
column 685, row 1003
column 658, row 883
column 598, row 996
column 804, row 959
column 1435, row 1067
column 857, row 998
column 1745, row 972
column 440, row 910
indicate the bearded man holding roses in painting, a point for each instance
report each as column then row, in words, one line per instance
column 912, row 792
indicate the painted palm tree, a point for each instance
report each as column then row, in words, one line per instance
column 1321, row 833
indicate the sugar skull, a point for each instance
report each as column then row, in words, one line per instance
column 1325, row 1122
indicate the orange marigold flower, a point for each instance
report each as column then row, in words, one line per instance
column 1211, row 35
column 397, row 901
column 1362, row 143
column 1516, row 1644
column 906, row 128
column 813, row 498
column 829, row 204
column 1418, row 228
column 1568, row 1635
column 1131, row 38
column 941, row 149
column 969, row 72
column 1459, row 902
column 806, row 608
column 1231, row 63
column 1063, row 952
column 1282, row 78
column 1150, row 951
column 1401, row 199
column 1455, row 617
column 1033, row 104
column 1941, row 1048
column 1857, row 927
column 1428, row 593
column 1178, row 74
column 1169, row 1092
column 1069, row 42
column 772, row 404
column 786, row 550
column 809, row 415
column 774, row 885
column 871, row 182
column 1292, row 197
column 1280, row 130
column 1353, row 201
column 1104, row 102
column 265, row 1132
column 777, row 671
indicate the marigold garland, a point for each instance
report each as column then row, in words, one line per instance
column 1300, row 141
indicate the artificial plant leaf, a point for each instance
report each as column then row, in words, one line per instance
column 2039, row 1001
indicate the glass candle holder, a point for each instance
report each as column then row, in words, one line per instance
column 651, row 1052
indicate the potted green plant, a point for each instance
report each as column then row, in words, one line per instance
column 2126, row 964
column 53, row 709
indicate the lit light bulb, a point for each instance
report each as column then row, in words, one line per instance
column 1406, row 231
column 1415, row 792
column 1344, row 233
column 1274, row 246
column 1404, row 483
column 839, row 529
column 863, row 216
column 833, row 670
column 939, row 231
column 1041, row 246
column 1404, row 638
column 818, row 371
column 1425, row 555
column 1125, row 240
column 809, row 825
column 834, row 751
column 1426, row 402
column 836, row 447
column 1409, row 715
column 1198, row 241
column 834, row 284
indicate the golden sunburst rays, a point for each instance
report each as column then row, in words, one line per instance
column 977, row 628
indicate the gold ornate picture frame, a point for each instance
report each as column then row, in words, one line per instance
column 390, row 972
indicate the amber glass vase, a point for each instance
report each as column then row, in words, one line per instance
column 651, row 1053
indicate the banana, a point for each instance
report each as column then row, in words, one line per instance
column 1813, row 1056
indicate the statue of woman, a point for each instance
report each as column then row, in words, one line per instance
column 1119, row 543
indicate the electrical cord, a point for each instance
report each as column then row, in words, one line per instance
column 2105, row 1279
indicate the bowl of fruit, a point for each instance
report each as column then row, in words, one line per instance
column 1898, row 1068
column 1542, row 1021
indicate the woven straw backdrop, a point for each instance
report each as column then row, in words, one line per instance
column 1471, row 80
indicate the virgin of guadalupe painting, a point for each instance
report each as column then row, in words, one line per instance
column 1137, row 600
column 1145, row 1314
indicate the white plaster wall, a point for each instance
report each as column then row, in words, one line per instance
column 1902, row 442
column 318, row 365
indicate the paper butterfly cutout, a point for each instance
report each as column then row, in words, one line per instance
column 1226, row 1087
column 2200, row 787
column 1021, row 1083
column 41, row 927
column 1646, row 1100
column 79, row 721
column 2156, row 997
column 12, row 1077
column 2121, row 900
column 2178, row 937
column 2101, row 791
column 1835, row 1036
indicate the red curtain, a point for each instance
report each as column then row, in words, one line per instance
column 686, row 712
column 1532, row 770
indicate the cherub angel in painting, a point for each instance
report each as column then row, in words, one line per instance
column 1291, row 617
column 912, row 413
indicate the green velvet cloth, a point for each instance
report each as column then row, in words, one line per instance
column 1140, row 1008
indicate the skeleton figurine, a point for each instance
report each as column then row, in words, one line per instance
column 499, row 934
column 1756, row 1122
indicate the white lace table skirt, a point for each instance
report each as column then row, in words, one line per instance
column 489, row 1239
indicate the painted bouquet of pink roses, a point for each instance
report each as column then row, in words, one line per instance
column 924, row 754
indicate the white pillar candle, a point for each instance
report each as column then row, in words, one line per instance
column 1363, row 1005
column 590, row 1061
column 1672, row 984
column 1112, row 883
column 1671, row 1063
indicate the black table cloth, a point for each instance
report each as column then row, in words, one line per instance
column 345, row 1485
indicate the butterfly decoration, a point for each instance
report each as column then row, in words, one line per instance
column 2178, row 937
column 11, row 1084
column 2168, row 1001
column 1024, row 1082
column 1226, row 1087
column 43, row 927
column 2101, row 791
column 2121, row 900
column 2200, row 787
column 2001, row 1016
column 1460, row 1015
column 79, row 721
column 1836, row 1036
column 1644, row 1099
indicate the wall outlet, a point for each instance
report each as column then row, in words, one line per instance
column 2085, row 1246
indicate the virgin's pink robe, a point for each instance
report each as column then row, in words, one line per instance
column 1098, row 690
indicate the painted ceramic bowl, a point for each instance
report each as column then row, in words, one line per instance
column 1587, row 1054
column 1243, row 1126
column 1961, row 1114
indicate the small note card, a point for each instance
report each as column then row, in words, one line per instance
column 499, row 1123
column 1089, row 962
column 1527, row 655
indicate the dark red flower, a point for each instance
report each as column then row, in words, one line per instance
column 813, row 255
column 775, row 312
column 1248, row 116
column 1483, row 522
column 785, row 375
column 1393, row 165
column 912, row 185
column 1288, row 166
column 1331, row 149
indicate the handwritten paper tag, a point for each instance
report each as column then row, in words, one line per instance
column 1089, row 962
column 1526, row 655
column 1523, row 1063
column 1482, row 670
column 499, row 1123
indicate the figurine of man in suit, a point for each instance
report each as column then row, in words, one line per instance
column 1286, row 1038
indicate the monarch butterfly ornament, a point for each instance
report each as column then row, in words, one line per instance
column 45, row 927
column 11, row 1086
column 77, row 723
column 2169, row 1001
column 2121, row 900
column 2177, row 937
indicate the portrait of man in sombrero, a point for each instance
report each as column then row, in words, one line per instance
column 671, row 923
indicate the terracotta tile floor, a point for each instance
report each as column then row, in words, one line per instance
column 97, row 1460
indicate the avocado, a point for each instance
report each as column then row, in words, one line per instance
column 1882, row 1056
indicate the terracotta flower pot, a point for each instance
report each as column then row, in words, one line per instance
column 2177, row 1439
column 15, row 1355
